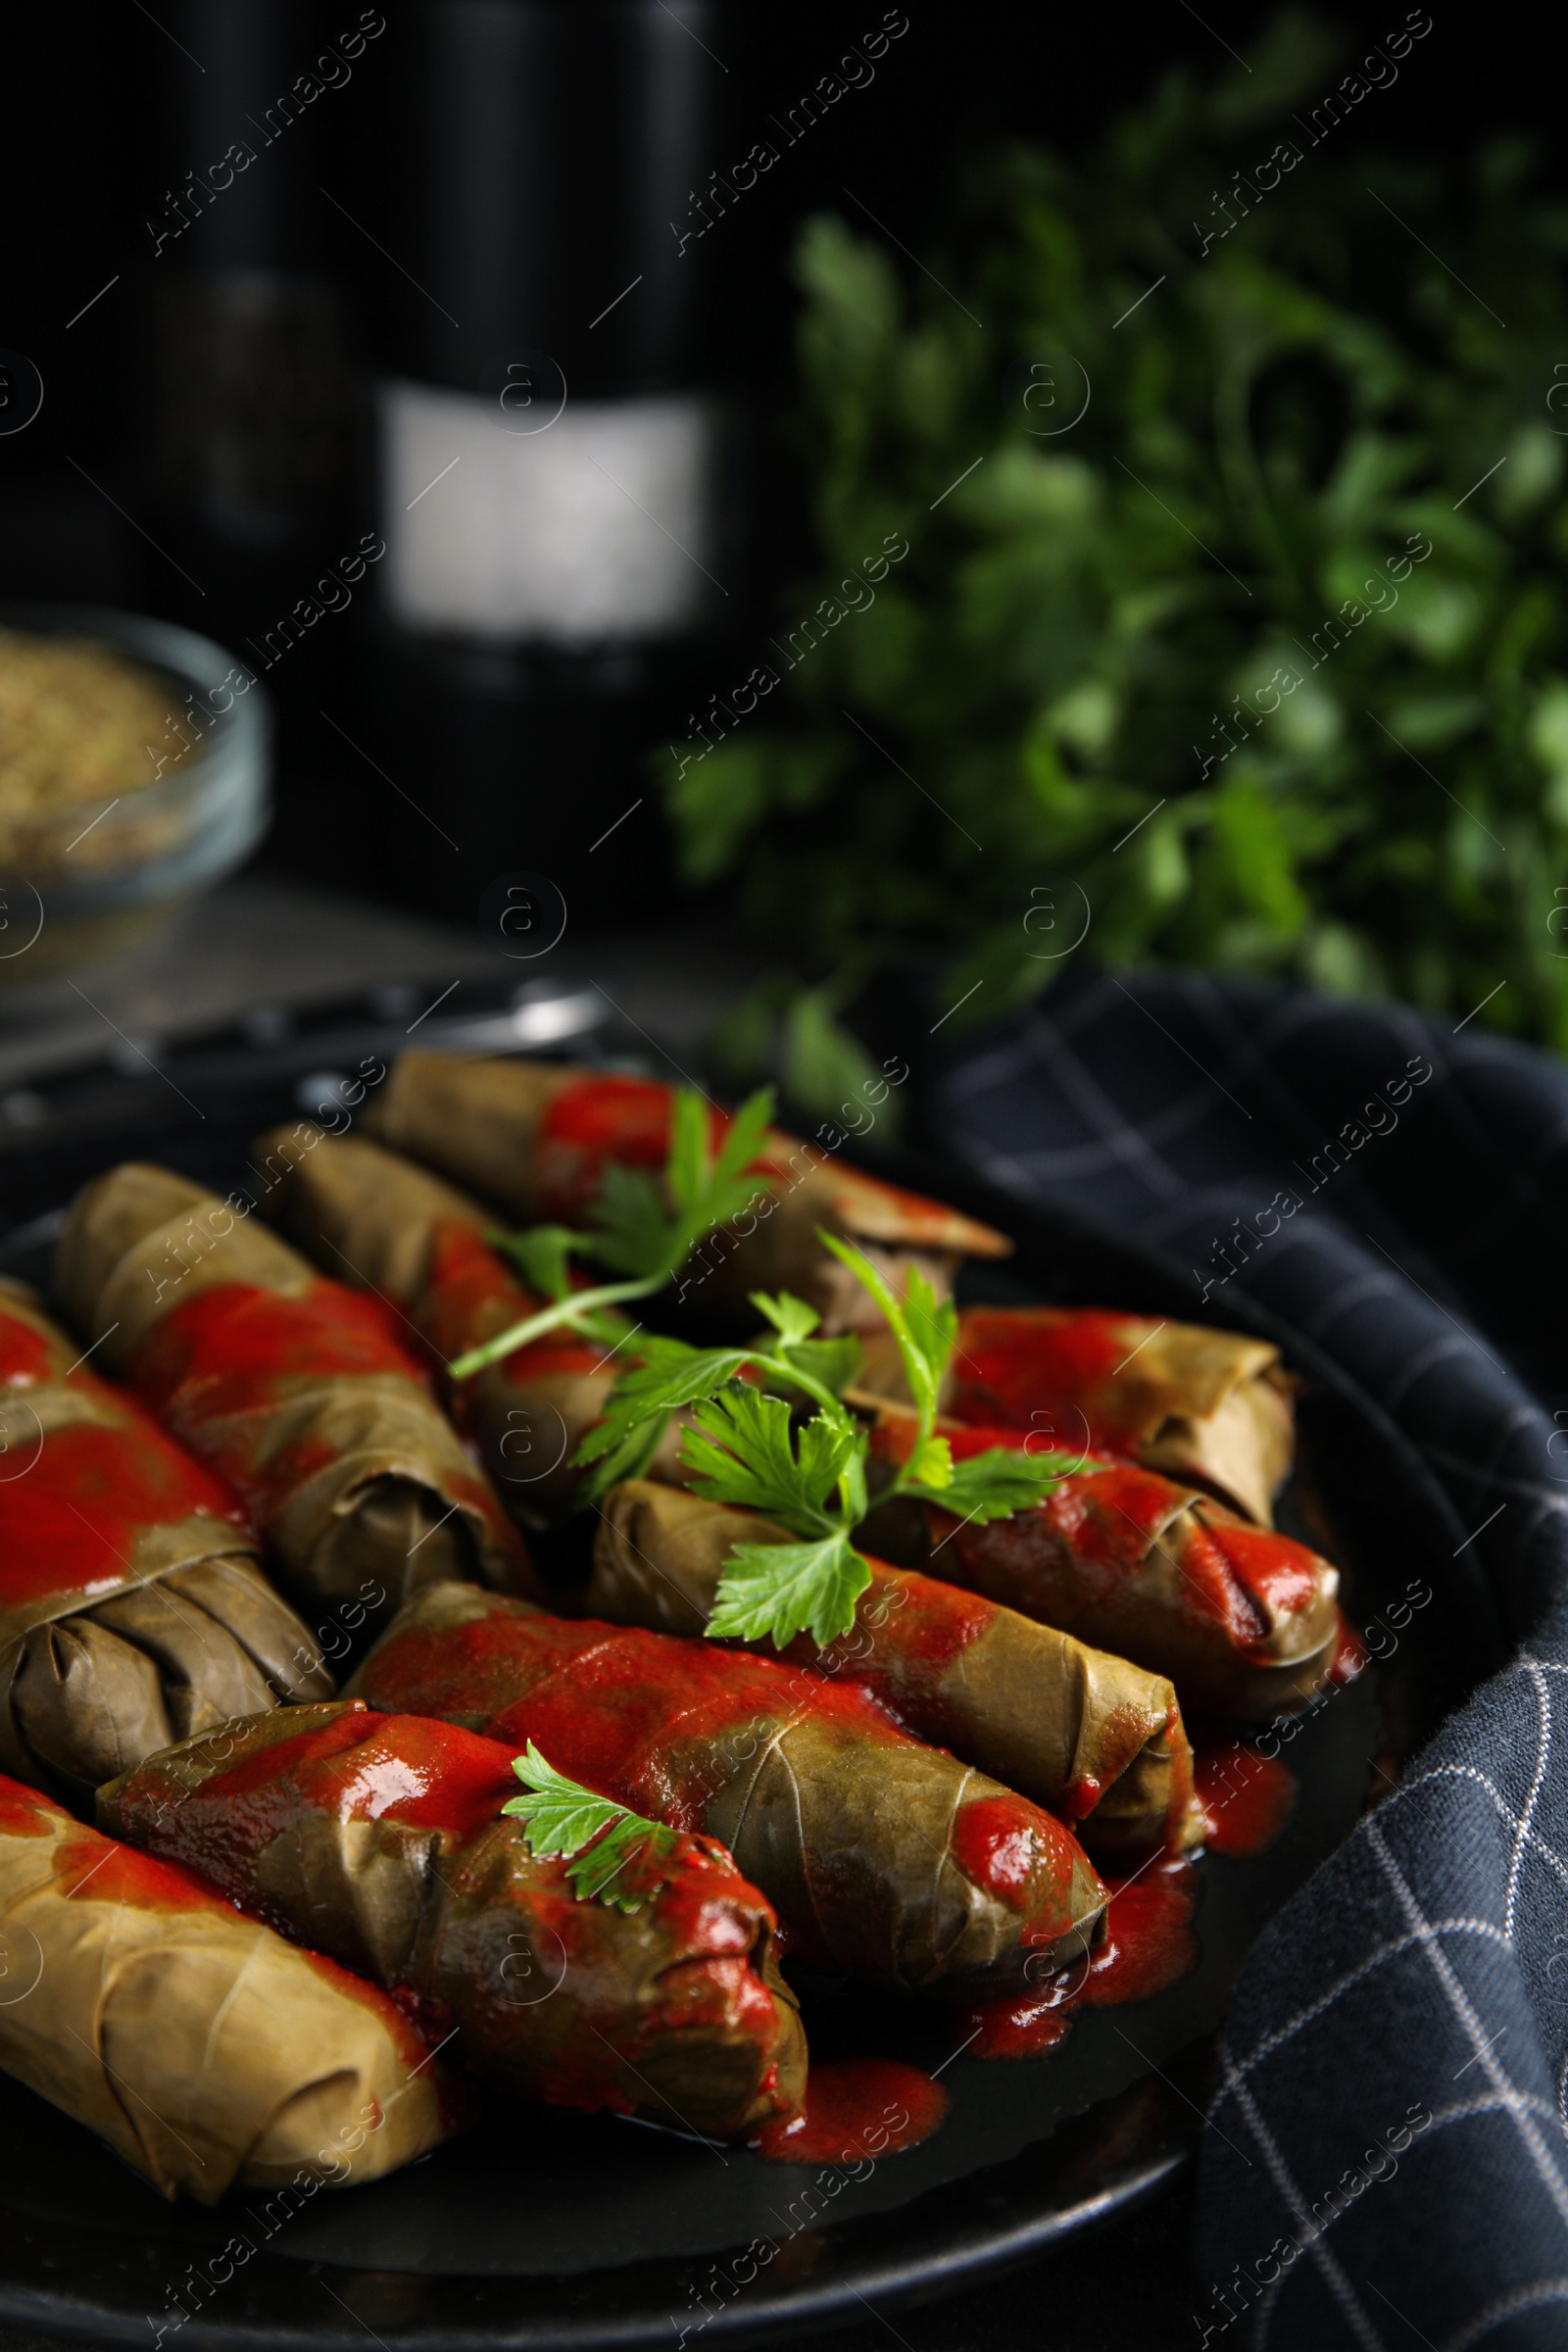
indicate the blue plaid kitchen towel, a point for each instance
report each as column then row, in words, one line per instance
column 1389, row 2166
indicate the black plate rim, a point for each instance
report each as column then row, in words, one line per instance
column 976, row 2252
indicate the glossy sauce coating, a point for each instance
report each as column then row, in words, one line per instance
column 1007, row 1368
column 26, row 1355
column 70, row 1522
column 432, row 1776
column 77, row 1499
column 25, row 1812
column 366, row 1766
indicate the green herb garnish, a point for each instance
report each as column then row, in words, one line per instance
column 642, row 1227
column 1260, row 648
column 670, row 1374
column 745, row 1448
column 561, row 1817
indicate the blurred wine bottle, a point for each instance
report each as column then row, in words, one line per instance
column 552, row 462
column 256, row 405
column 258, row 421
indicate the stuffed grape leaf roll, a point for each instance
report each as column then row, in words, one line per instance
column 885, row 1860
column 1089, row 1737
column 1244, row 1621
column 382, row 1840
column 379, row 1221
column 133, row 1609
column 205, row 2050
column 299, row 1391
column 535, row 1138
column 1210, row 1408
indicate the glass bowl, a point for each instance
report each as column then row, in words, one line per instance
column 85, row 882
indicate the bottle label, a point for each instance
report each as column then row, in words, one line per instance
column 596, row 526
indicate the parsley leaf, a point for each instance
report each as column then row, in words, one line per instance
column 824, row 1368
column 996, row 1482
column 669, row 1375
column 744, row 1142
column 779, row 1589
column 743, row 1448
column 631, row 1231
column 815, row 1364
column 561, row 1817
column 790, row 1316
column 925, row 1327
column 542, row 1255
column 931, row 1463
column 643, row 1226
column 746, row 1451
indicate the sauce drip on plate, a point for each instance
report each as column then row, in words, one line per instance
column 1246, row 1799
column 855, row 2110
column 1147, row 1946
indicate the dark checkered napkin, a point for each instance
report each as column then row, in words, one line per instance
column 1387, row 2162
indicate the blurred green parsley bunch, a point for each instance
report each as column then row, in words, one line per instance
column 1090, row 633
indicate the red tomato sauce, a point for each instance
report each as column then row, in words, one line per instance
column 470, row 1294
column 1148, row 1945
column 1246, row 1799
column 1008, row 1365
column 228, row 1346
column 27, row 1357
column 857, row 2109
column 363, row 1765
column 908, row 1630
column 70, row 1522
column 217, row 1366
column 25, row 1812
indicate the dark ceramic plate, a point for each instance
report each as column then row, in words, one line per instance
column 544, row 2229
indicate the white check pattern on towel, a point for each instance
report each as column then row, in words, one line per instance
column 1419, row 1983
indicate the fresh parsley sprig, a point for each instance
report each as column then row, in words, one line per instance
column 992, row 1485
column 744, row 1447
column 670, row 1374
column 561, row 1817
column 543, row 1256
column 642, row 1227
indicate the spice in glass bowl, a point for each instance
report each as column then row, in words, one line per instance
column 80, row 727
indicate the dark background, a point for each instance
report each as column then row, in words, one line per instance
column 98, row 110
